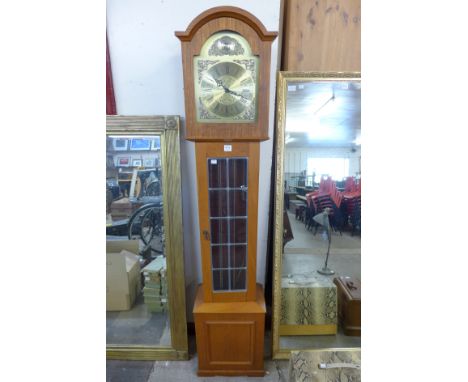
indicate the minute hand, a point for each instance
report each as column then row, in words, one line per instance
column 237, row 94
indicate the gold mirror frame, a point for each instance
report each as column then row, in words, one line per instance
column 281, row 95
column 168, row 128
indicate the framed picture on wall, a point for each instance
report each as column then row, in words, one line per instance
column 148, row 162
column 156, row 144
column 136, row 162
column 120, row 144
column 140, row 144
column 123, row 162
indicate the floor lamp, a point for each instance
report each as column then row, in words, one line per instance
column 323, row 218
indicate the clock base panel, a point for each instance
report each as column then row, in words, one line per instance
column 230, row 336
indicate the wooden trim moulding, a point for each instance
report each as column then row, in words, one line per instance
column 226, row 11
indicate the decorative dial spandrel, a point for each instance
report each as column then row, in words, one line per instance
column 226, row 80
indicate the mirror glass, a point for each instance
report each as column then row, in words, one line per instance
column 322, row 212
column 136, row 282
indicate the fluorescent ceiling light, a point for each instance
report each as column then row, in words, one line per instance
column 357, row 140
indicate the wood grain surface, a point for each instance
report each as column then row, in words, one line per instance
column 209, row 22
column 322, row 35
column 230, row 336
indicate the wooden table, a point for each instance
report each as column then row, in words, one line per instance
column 301, row 197
column 288, row 195
column 303, row 190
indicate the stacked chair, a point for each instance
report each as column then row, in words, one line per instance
column 355, row 216
column 352, row 204
column 327, row 196
column 345, row 206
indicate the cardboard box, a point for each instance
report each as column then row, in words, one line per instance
column 116, row 244
column 123, row 277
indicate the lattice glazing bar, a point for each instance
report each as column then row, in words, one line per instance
column 227, row 179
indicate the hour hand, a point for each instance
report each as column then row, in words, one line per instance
column 220, row 83
column 227, row 90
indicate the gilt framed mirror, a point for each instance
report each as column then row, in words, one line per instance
column 317, row 229
column 145, row 286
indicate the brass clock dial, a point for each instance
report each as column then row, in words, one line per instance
column 226, row 80
column 227, row 89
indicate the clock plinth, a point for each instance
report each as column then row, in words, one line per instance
column 230, row 336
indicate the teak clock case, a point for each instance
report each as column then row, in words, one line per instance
column 200, row 29
column 229, row 325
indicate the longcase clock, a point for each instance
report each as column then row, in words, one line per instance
column 226, row 64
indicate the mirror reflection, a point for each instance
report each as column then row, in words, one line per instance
column 322, row 215
column 137, row 295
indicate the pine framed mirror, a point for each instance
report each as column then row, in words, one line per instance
column 317, row 229
column 145, row 286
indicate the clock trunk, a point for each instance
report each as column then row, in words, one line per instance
column 227, row 193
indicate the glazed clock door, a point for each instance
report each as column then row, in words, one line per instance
column 227, row 199
column 228, row 192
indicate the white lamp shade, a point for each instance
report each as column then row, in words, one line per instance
column 322, row 219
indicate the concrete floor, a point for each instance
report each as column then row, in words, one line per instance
column 306, row 242
column 181, row 371
column 138, row 326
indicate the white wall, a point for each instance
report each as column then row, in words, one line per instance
column 147, row 74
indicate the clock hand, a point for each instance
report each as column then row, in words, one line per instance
column 237, row 94
column 220, row 83
column 227, row 90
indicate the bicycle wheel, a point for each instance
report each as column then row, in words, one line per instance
column 147, row 225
